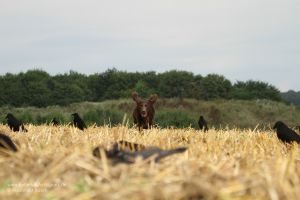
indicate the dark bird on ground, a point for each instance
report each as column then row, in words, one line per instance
column 6, row 143
column 78, row 122
column 202, row 124
column 54, row 122
column 285, row 134
column 118, row 155
column 14, row 124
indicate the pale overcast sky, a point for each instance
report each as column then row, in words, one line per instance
column 240, row 39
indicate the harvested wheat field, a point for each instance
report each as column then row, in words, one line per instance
column 57, row 163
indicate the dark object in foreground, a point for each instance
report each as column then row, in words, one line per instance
column 285, row 134
column 14, row 124
column 144, row 111
column 118, row 155
column 6, row 143
column 202, row 124
column 78, row 122
column 54, row 122
column 130, row 146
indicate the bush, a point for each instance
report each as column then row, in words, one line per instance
column 47, row 118
column 26, row 117
column 177, row 118
column 103, row 117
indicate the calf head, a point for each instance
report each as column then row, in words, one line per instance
column 144, row 107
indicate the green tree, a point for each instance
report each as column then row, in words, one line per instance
column 215, row 86
column 142, row 88
column 255, row 90
column 38, row 88
column 291, row 97
column 196, row 91
column 175, row 83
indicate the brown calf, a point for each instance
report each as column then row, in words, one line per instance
column 144, row 111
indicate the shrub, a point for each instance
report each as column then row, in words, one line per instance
column 176, row 118
column 103, row 117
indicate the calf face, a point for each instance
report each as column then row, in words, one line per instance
column 144, row 111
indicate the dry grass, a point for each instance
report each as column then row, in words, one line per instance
column 56, row 163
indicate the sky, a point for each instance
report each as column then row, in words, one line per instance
column 240, row 39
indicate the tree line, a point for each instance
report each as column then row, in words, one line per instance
column 40, row 89
column 291, row 96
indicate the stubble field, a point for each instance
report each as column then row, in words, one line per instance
column 57, row 163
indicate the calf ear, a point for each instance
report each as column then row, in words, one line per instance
column 153, row 98
column 135, row 97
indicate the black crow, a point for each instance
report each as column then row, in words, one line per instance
column 285, row 134
column 78, row 122
column 54, row 122
column 6, row 143
column 202, row 124
column 118, row 155
column 14, row 124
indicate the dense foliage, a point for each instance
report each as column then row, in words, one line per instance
column 168, row 113
column 292, row 97
column 38, row 88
